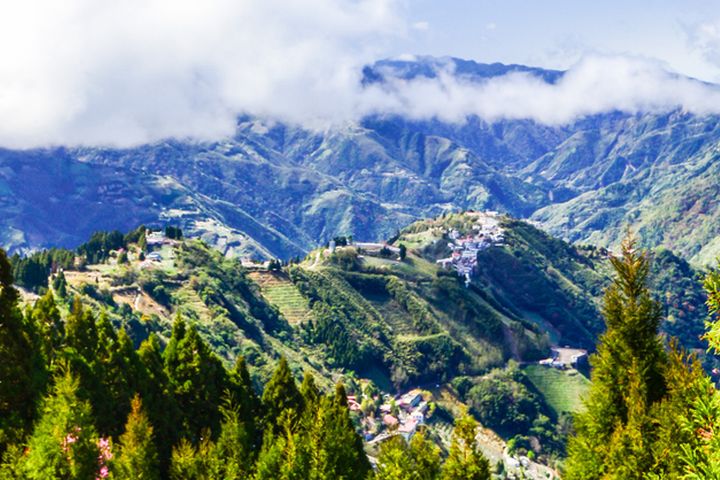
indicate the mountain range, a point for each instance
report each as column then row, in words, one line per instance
column 277, row 190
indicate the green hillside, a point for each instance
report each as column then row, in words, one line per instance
column 362, row 313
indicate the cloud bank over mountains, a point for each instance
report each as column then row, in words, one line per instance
column 82, row 72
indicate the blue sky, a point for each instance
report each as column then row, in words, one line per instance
column 556, row 33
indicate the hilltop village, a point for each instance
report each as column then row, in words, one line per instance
column 486, row 232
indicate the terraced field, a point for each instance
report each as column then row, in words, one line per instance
column 280, row 291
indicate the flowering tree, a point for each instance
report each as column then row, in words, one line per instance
column 64, row 444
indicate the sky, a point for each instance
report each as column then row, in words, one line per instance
column 98, row 72
column 684, row 34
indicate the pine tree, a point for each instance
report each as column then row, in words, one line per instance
column 198, row 380
column 231, row 456
column 60, row 284
column 191, row 463
column 158, row 400
column 120, row 375
column 22, row 375
column 245, row 400
column 345, row 455
column 464, row 461
column 310, row 392
column 700, row 455
column 51, row 329
column 627, row 378
column 81, row 332
column 137, row 458
column 64, row 443
column 281, row 395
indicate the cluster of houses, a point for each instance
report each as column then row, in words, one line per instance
column 566, row 357
column 396, row 416
column 485, row 233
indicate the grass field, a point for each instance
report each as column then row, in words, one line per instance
column 562, row 389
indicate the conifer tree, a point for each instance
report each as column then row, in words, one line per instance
column 120, row 376
column 245, row 400
column 281, row 395
column 137, row 458
column 158, row 400
column 81, row 331
column 60, row 284
column 198, row 380
column 701, row 455
column 64, row 443
column 627, row 379
column 190, row 462
column 21, row 375
column 310, row 392
column 345, row 454
column 465, row 461
column 50, row 327
column 231, row 456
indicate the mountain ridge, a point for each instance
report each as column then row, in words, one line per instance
column 276, row 190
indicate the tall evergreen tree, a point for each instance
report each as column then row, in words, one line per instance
column 81, row 332
column 231, row 456
column 21, row 374
column 159, row 400
column 281, row 395
column 120, row 372
column 137, row 458
column 627, row 379
column 701, row 455
column 345, row 455
column 50, row 327
column 198, row 379
column 465, row 461
column 245, row 400
column 64, row 443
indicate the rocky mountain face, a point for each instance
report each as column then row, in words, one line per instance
column 279, row 190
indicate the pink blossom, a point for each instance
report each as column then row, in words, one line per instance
column 103, row 473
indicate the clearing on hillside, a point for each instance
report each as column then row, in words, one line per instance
column 563, row 389
column 277, row 289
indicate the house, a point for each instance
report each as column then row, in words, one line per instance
column 407, row 429
column 571, row 357
column 410, row 400
column 390, row 421
column 566, row 357
column 155, row 238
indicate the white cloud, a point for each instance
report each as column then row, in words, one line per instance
column 594, row 85
column 134, row 71
column 124, row 73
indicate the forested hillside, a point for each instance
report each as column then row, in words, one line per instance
column 380, row 317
